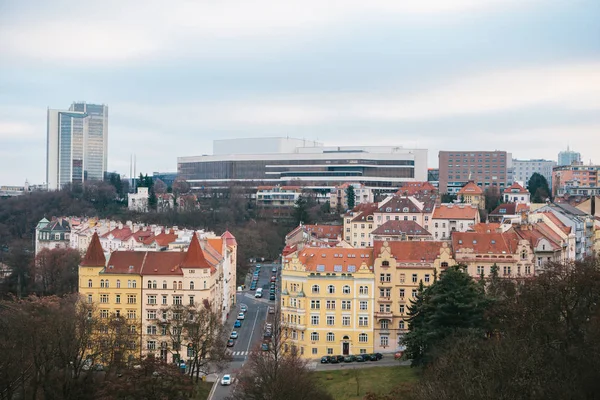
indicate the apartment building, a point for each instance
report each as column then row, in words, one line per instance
column 484, row 168
column 576, row 180
column 327, row 301
column 338, row 198
column 400, row 266
column 524, row 169
column 401, row 208
column 52, row 234
column 358, row 225
column 449, row 218
column 472, row 194
column 400, row 230
column 516, row 193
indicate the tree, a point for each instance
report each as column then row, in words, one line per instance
column 351, row 196
column 493, row 198
column 301, row 211
column 56, row 271
column 454, row 303
column 159, row 187
column 448, row 198
column 538, row 188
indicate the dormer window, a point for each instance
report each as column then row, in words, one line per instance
column 388, row 209
column 405, row 209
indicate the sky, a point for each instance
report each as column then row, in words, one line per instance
column 516, row 75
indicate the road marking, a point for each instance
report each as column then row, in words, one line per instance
column 253, row 327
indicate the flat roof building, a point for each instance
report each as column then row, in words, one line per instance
column 485, row 168
column 302, row 162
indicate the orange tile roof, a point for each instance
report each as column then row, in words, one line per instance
column 410, row 251
column 470, row 189
column 365, row 212
column 324, row 259
column 94, row 256
column 518, row 189
column 216, row 243
column 194, row 257
column 163, row 239
column 396, row 228
column 483, row 227
column 548, row 232
column 534, row 235
column 325, row 231
column 119, row 233
column 413, row 188
column 485, row 243
column 455, row 211
column 559, row 224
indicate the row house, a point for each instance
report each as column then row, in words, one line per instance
column 327, row 301
column 400, row 230
column 400, row 208
column 399, row 269
column 450, row 218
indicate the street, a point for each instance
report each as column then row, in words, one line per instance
column 251, row 332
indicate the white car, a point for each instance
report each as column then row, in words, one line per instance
column 226, row 380
column 241, row 316
column 244, row 308
column 234, row 335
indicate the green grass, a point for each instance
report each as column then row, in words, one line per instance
column 202, row 389
column 380, row 380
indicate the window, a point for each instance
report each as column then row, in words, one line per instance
column 315, row 288
column 401, row 293
column 89, row 298
column 314, row 320
column 414, row 278
column 363, row 338
column 401, row 325
column 314, row 350
column 528, row 269
column 180, row 285
column 103, row 313
column 314, row 337
column 118, row 299
column 426, row 278
column 131, row 314
column 363, row 290
column 149, row 284
column 106, row 284
column 131, row 299
column 331, row 289
column 151, row 314
column 385, row 324
column 330, row 337
column 89, row 283
column 151, row 329
column 164, row 299
column 174, row 285
column 346, row 289
column 384, row 340
column 164, row 284
column 101, row 283
column 363, row 305
column 363, row 321
column 103, row 298
column 346, row 305
column 330, row 320
column 118, row 283
column 507, row 270
column 192, row 285
column 331, row 304
column 345, row 320
column 329, row 351
column 191, row 300
column 315, row 304
column 414, row 293
column 402, row 277
column 151, row 345
column 153, row 284
column 401, row 308
column 163, row 330
column 177, row 300
column 480, row 270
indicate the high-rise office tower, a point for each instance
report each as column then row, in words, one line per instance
column 77, row 143
column 568, row 157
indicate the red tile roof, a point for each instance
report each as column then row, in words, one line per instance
column 119, row 233
column 163, row 239
column 398, row 204
column 163, row 263
column 337, row 259
column 515, row 188
column 414, row 188
column 366, row 211
column 94, row 256
column 397, row 228
column 325, row 231
column 532, row 234
column 485, row 243
column 455, row 211
column 410, row 251
column 470, row 189
column 505, row 209
column 229, row 239
column 483, row 227
column 125, row 262
column 559, row 224
column 194, row 257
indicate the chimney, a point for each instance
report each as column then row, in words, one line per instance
column 593, row 205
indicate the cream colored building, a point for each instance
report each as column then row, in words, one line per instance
column 449, row 218
column 399, row 268
column 327, row 301
column 472, row 194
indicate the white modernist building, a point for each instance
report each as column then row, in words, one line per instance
column 523, row 169
column 298, row 162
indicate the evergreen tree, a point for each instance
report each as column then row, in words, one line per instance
column 455, row 302
column 538, row 187
column 351, row 195
column 301, row 211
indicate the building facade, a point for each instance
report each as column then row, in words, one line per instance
column 523, row 169
column 576, row 180
column 338, row 198
column 485, row 168
column 309, row 164
column 77, row 144
column 55, row 234
column 327, row 301
column 516, row 193
column 449, row 218
column 568, row 157
column 472, row 194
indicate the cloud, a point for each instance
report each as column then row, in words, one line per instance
column 17, row 131
column 117, row 31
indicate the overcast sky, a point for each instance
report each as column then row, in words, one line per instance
column 515, row 75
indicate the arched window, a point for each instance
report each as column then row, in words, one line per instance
column 444, row 264
column 192, row 285
column 204, row 284
column 363, row 338
column 164, row 284
column 134, row 284
column 118, row 283
column 89, row 283
column 346, row 289
column 180, row 286
column 331, row 289
column 315, row 288
column 153, row 284
column 524, row 255
column 314, row 337
column 101, row 283
column 149, row 284
column 330, row 337
column 106, row 283
column 128, row 283
column 174, row 285
column 385, row 263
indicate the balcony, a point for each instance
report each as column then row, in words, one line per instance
column 291, row 325
column 384, row 314
column 384, row 299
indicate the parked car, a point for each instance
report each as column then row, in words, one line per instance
column 379, row 356
column 230, row 343
column 273, row 279
column 274, row 269
column 325, row 359
column 272, row 296
column 234, row 335
column 226, row 380
column 398, row 355
column 360, row 358
column 333, row 359
column 268, row 335
column 241, row 316
column 244, row 308
column 340, row 358
column 348, row 359
column 271, row 310
column 264, row 347
column 373, row 357
column 237, row 324
column 268, row 326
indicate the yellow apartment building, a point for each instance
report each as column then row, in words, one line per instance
column 472, row 194
column 327, row 301
column 399, row 267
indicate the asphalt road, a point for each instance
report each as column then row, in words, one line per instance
column 251, row 332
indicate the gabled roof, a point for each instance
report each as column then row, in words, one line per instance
column 484, row 227
column 163, row 239
column 125, row 262
column 94, row 256
column 397, row 228
column 414, row 188
column 455, row 211
column 119, row 233
column 505, row 209
column 365, row 212
column 534, row 236
column 325, row 231
column 162, row 263
column 410, row 251
column 194, row 257
column 485, row 243
column 216, row 243
column 57, row 225
column 470, row 189
column 516, row 189
column 229, row 239
column 337, row 259
column 559, row 224
column 399, row 204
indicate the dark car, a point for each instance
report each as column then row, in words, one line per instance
column 360, row 358
column 340, row 358
column 325, row 359
column 264, row 347
column 333, row 360
column 372, row 357
column 379, row 356
column 230, row 343
column 272, row 296
column 348, row 359
column 268, row 335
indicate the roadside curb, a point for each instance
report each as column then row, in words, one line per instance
column 212, row 390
